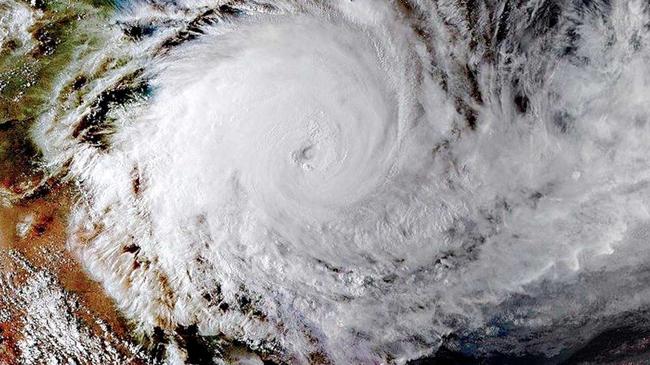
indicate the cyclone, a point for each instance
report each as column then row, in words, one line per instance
column 301, row 151
column 363, row 182
column 266, row 147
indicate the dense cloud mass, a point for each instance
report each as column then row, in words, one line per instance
column 365, row 181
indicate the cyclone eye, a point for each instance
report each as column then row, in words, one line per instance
column 303, row 156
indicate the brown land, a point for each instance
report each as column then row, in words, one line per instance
column 33, row 228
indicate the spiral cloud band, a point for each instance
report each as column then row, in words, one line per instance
column 355, row 182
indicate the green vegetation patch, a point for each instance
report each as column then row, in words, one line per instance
column 66, row 30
